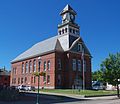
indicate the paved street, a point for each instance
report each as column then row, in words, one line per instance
column 55, row 99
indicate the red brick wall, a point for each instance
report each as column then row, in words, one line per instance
column 67, row 74
column 18, row 74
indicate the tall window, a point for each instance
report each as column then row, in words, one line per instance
column 59, row 79
column 39, row 63
column 44, row 65
column 79, row 65
column 34, row 79
column 30, row 66
column 31, row 79
column 66, row 30
column 26, row 67
column 22, row 68
column 85, row 66
column 59, row 64
column 34, row 65
column 44, row 79
column 18, row 80
column 21, row 80
column 25, row 79
column 74, row 64
column 79, row 47
column 48, row 79
column 48, row 65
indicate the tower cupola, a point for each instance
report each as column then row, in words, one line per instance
column 68, row 26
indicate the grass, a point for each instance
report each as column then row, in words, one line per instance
column 81, row 92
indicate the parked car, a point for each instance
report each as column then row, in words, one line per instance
column 31, row 88
column 26, row 88
column 97, row 85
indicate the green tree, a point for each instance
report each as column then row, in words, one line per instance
column 110, row 69
column 96, row 76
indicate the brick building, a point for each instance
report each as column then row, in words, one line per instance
column 61, row 57
column 4, row 78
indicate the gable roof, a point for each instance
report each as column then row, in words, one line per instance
column 42, row 47
column 76, row 41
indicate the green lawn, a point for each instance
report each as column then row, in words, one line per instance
column 81, row 92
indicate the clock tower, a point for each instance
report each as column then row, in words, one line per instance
column 68, row 26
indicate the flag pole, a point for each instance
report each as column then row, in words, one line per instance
column 83, row 69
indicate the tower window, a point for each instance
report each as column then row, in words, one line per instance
column 70, row 30
column 73, row 31
column 66, row 30
column 62, row 31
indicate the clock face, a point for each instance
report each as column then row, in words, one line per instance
column 72, row 17
column 64, row 16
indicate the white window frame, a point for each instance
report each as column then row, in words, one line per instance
column 34, row 65
column 30, row 66
column 74, row 64
column 48, row 81
column 45, row 65
column 26, row 67
column 48, row 65
column 23, row 68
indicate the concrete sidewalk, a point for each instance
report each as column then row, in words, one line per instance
column 78, row 96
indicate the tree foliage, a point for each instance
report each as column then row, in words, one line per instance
column 96, row 76
column 110, row 69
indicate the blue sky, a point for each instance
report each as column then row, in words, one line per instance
column 26, row 22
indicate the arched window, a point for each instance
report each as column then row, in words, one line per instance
column 45, row 66
column 70, row 30
column 62, row 31
column 59, row 79
column 26, row 67
column 39, row 63
column 73, row 31
column 65, row 30
column 79, row 47
column 22, row 68
column 48, row 65
column 30, row 66
column 34, row 66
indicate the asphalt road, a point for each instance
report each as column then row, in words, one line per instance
column 53, row 99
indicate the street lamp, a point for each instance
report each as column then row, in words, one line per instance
column 38, row 74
